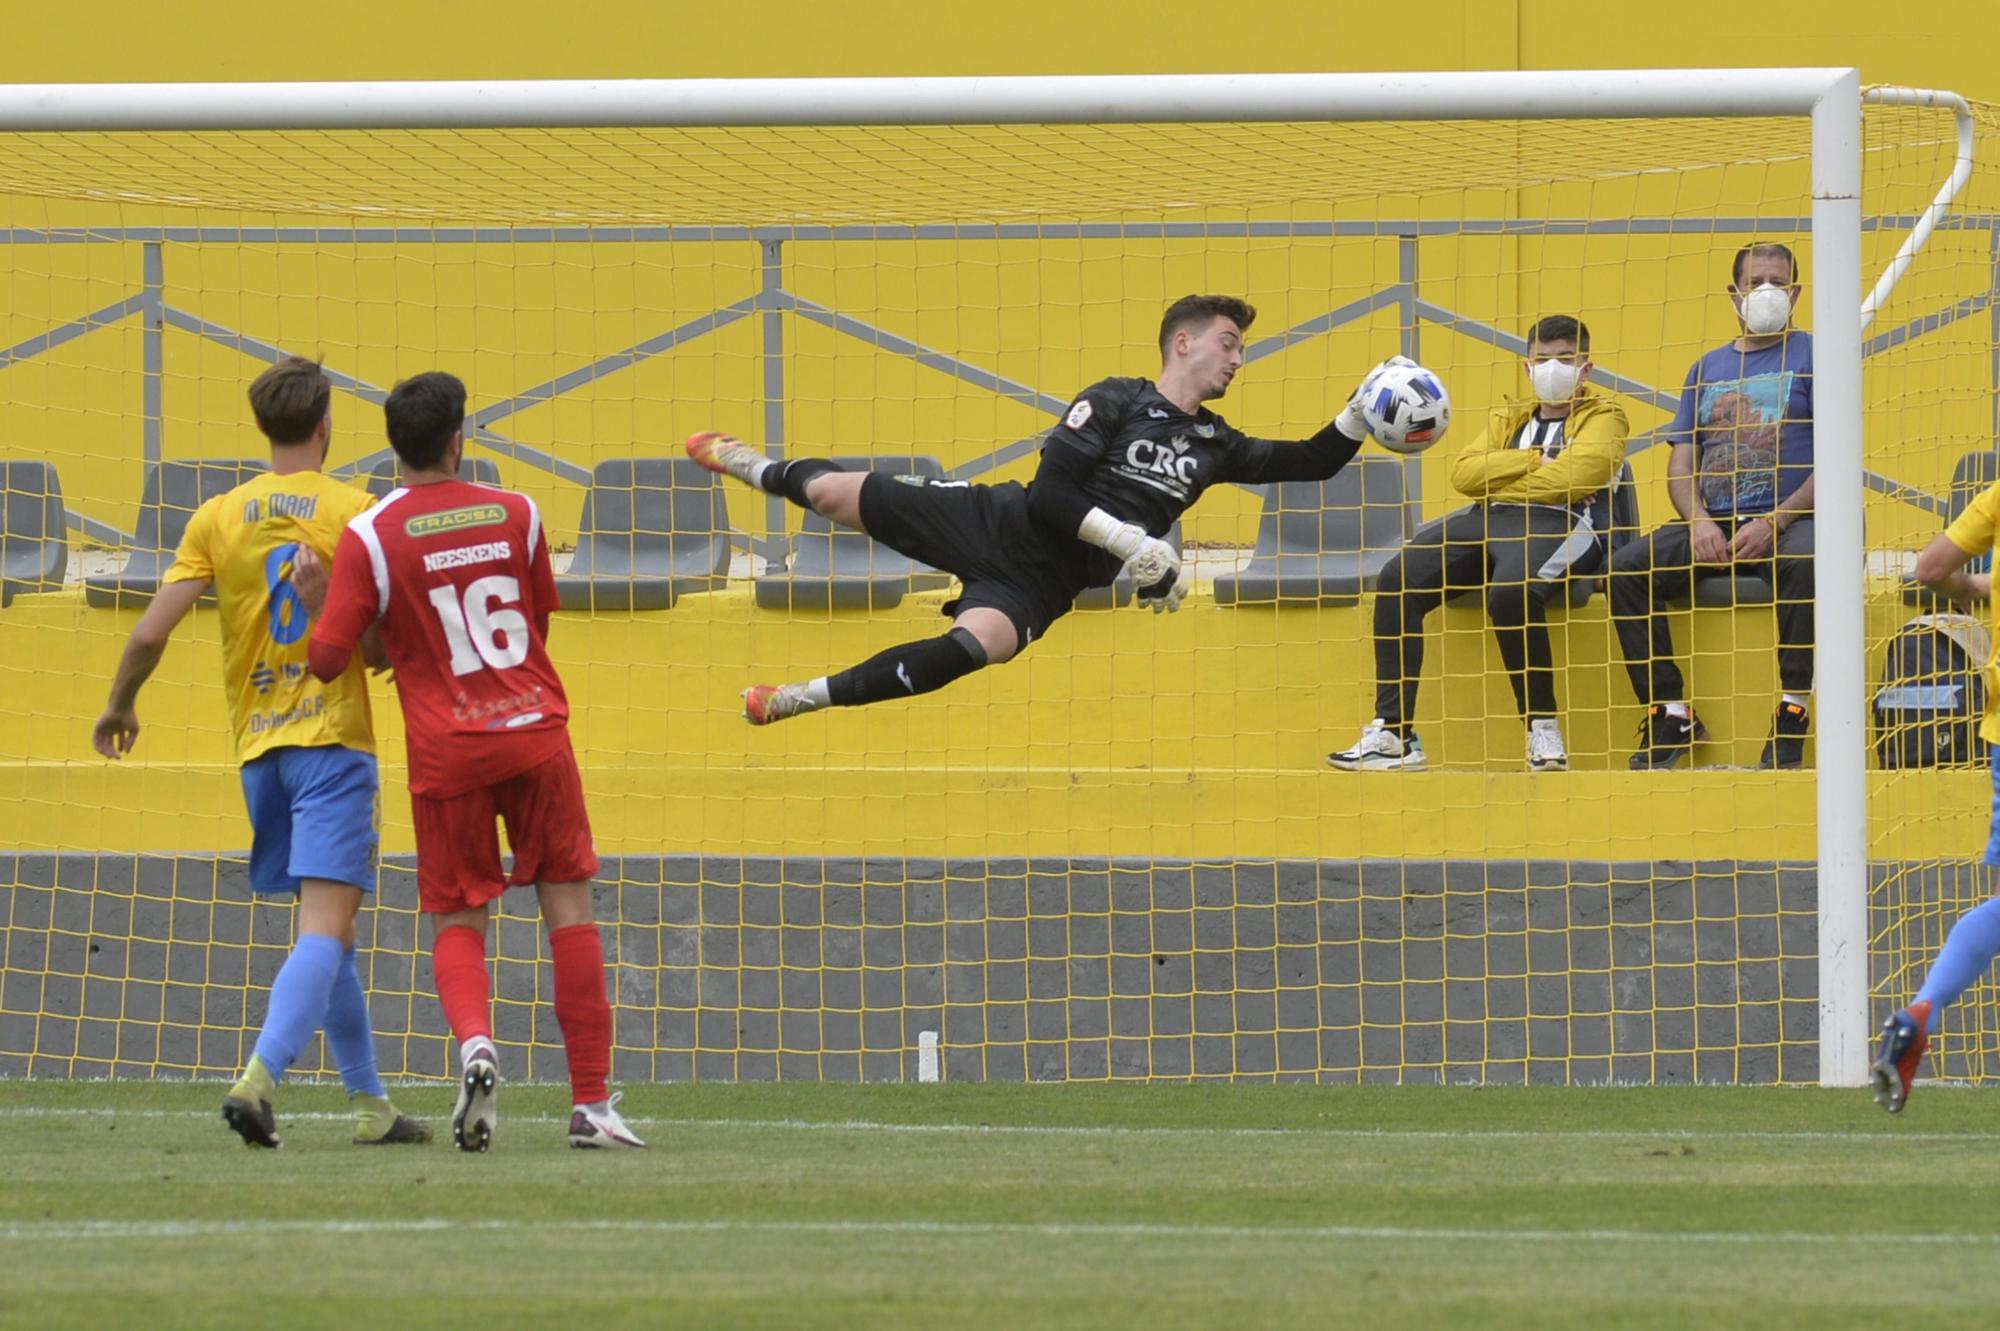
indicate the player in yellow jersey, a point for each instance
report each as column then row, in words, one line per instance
column 1974, row 941
column 307, row 749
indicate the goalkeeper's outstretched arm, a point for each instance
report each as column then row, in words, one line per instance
column 1313, row 459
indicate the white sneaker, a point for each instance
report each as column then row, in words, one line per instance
column 477, row 1112
column 1546, row 750
column 1380, row 749
column 594, row 1129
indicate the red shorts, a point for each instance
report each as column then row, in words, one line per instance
column 548, row 828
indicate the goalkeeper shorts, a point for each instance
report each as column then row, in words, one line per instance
column 981, row 534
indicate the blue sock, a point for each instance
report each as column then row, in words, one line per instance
column 298, row 1001
column 1968, row 950
column 349, row 1034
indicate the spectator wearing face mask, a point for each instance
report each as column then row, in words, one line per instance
column 1740, row 477
column 1540, row 477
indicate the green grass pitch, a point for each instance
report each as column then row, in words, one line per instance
column 792, row 1206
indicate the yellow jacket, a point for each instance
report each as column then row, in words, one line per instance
column 1493, row 471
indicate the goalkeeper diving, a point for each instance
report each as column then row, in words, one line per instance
column 1129, row 457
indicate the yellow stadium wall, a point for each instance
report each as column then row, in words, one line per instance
column 1200, row 735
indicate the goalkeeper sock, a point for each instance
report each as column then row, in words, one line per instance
column 791, row 478
column 1968, row 950
column 298, row 1001
column 581, row 1008
column 458, row 968
column 905, row 671
column 349, row 1033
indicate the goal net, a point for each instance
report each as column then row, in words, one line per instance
column 1123, row 855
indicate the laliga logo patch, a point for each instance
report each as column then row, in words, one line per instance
column 1078, row 414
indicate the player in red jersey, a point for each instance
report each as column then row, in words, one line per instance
column 458, row 577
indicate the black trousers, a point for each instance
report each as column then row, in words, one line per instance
column 1517, row 557
column 1659, row 567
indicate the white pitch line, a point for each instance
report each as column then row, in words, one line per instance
column 1881, row 1138
column 129, row 1230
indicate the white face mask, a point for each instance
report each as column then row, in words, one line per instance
column 1766, row 310
column 1554, row 380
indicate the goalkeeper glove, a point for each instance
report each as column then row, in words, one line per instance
column 1350, row 421
column 1153, row 565
column 1165, row 597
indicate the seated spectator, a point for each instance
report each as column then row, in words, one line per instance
column 1540, row 477
column 1740, row 477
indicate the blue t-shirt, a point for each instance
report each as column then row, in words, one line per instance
column 1749, row 415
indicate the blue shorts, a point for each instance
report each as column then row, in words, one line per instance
column 314, row 813
column 1993, row 833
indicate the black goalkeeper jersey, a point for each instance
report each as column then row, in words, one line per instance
column 1153, row 460
column 1134, row 454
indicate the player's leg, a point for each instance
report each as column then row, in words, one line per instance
column 458, row 970
column 1968, row 953
column 811, row 483
column 335, row 794
column 297, row 1006
column 576, row 949
column 326, row 924
column 976, row 639
column 1412, row 585
column 350, row 1037
column 1792, row 581
column 548, row 827
column 1531, row 549
column 458, row 878
column 1645, row 575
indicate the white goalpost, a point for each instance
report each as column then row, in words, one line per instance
column 1830, row 99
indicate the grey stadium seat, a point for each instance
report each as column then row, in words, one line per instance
column 1322, row 542
column 173, row 491
column 34, row 551
column 833, row 568
column 652, row 530
column 382, row 478
column 1121, row 592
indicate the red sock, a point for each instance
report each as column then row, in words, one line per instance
column 581, row 1009
column 458, row 964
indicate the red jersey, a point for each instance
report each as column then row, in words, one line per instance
column 459, row 576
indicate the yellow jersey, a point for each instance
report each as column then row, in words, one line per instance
column 243, row 543
column 1972, row 531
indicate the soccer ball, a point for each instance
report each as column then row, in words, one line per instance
column 1406, row 407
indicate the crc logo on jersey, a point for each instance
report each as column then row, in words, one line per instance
column 455, row 519
column 1150, row 457
column 1078, row 414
